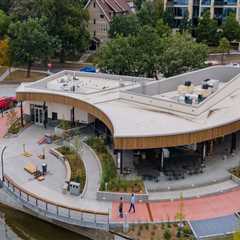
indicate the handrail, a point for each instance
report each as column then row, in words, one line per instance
column 51, row 202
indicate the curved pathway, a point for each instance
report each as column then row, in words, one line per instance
column 93, row 172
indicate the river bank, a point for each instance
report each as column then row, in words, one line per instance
column 27, row 227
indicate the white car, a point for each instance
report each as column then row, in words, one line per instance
column 234, row 65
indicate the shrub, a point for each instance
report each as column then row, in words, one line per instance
column 78, row 172
column 65, row 125
column 187, row 230
column 109, row 172
column 147, row 226
column 167, row 234
column 15, row 127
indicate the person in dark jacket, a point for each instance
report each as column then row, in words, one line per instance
column 120, row 208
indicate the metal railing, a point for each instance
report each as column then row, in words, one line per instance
column 56, row 211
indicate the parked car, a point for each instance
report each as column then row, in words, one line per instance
column 90, row 69
column 234, row 65
column 7, row 102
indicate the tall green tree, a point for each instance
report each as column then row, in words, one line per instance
column 207, row 30
column 231, row 28
column 182, row 54
column 185, row 24
column 66, row 19
column 4, row 23
column 224, row 47
column 168, row 18
column 29, row 41
column 5, row 5
column 162, row 29
column 150, row 12
column 117, row 56
column 138, row 4
column 134, row 55
column 149, row 47
column 149, row 52
column 124, row 25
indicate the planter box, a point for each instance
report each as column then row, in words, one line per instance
column 235, row 179
column 59, row 131
column 115, row 196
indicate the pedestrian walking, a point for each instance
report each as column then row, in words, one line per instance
column 132, row 203
column 120, row 208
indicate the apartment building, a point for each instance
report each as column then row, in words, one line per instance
column 194, row 9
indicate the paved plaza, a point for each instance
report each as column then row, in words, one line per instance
column 222, row 201
column 51, row 187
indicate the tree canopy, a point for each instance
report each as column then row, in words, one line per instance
column 4, row 52
column 207, row 30
column 30, row 42
column 66, row 20
column 149, row 52
column 4, row 23
column 124, row 25
column 231, row 28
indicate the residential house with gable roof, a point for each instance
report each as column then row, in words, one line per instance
column 101, row 13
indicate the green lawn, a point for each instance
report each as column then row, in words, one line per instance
column 2, row 70
column 20, row 76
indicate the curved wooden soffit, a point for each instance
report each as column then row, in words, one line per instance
column 128, row 143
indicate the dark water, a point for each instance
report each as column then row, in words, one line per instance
column 31, row 228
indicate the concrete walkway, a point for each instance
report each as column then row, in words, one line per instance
column 6, row 74
column 93, row 172
column 51, row 188
column 194, row 192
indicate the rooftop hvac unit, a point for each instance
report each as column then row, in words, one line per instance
column 74, row 188
column 205, row 86
column 188, row 83
column 188, row 99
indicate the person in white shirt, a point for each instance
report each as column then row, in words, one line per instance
column 132, row 203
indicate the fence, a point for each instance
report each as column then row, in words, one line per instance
column 55, row 211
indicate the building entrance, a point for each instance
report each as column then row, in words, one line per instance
column 38, row 114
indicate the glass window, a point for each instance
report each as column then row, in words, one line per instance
column 181, row 2
column 227, row 11
column 203, row 9
column 206, row 2
column 180, row 11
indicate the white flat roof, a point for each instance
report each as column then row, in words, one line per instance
column 135, row 115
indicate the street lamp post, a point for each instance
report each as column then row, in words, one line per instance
column 3, row 150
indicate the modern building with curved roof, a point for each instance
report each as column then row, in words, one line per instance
column 141, row 113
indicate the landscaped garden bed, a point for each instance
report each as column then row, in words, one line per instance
column 162, row 231
column 13, row 122
column 235, row 171
column 15, row 127
column 110, row 181
column 78, row 172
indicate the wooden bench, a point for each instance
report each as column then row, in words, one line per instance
column 30, row 168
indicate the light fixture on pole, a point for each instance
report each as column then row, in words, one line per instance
column 2, row 154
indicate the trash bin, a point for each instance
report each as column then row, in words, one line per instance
column 74, row 188
column 44, row 168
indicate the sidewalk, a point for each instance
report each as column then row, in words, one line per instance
column 194, row 192
column 193, row 209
